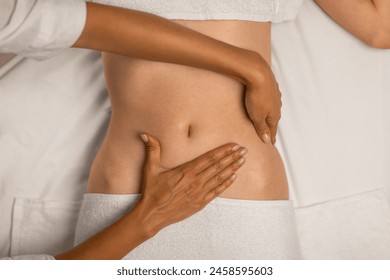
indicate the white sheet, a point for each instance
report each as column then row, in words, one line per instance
column 386, row 120
column 332, row 137
column 354, row 227
column 332, row 129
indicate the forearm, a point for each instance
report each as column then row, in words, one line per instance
column 168, row 196
column 145, row 36
column 368, row 20
column 117, row 240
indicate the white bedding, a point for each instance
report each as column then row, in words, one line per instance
column 332, row 137
column 332, row 128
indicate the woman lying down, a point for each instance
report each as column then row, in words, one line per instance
column 191, row 111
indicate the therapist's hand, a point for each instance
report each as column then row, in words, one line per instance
column 177, row 44
column 171, row 195
column 263, row 99
column 168, row 196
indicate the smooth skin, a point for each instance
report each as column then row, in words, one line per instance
column 145, row 36
column 168, row 196
column 176, row 39
column 184, row 190
column 173, row 43
column 254, row 72
column 368, row 20
column 171, row 195
column 190, row 110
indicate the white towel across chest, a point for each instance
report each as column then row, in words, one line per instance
column 252, row 10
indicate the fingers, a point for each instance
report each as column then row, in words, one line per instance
column 199, row 189
column 219, row 166
column 273, row 127
column 224, row 174
column 213, row 193
column 263, row 105
column 274, row 117
column 267, row 128
column 263, row 131
column 210, row 158
column 152, row 150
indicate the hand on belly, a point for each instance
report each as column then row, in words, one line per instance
column 191, row 111
column 118, row 166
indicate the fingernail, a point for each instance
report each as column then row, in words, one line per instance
column 243, row 151
column 144, row 137
column 233, row 177
column 235, row 148
column 265, row 137
column 241, row 161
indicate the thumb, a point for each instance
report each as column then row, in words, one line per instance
column 152, row 150
column 262, row 130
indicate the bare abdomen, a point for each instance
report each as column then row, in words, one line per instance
column 191, row 111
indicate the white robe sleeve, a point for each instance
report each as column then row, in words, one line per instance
column 40, row 28
column 41, row 257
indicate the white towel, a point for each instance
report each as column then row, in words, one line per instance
column 254, row 10
column 224, row 229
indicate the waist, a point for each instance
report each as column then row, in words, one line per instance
column 183, row 138
column 190, row 111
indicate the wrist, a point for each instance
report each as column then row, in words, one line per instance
column 254, row 69
column 145, row 215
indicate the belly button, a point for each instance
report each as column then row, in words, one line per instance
column 189, row 131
